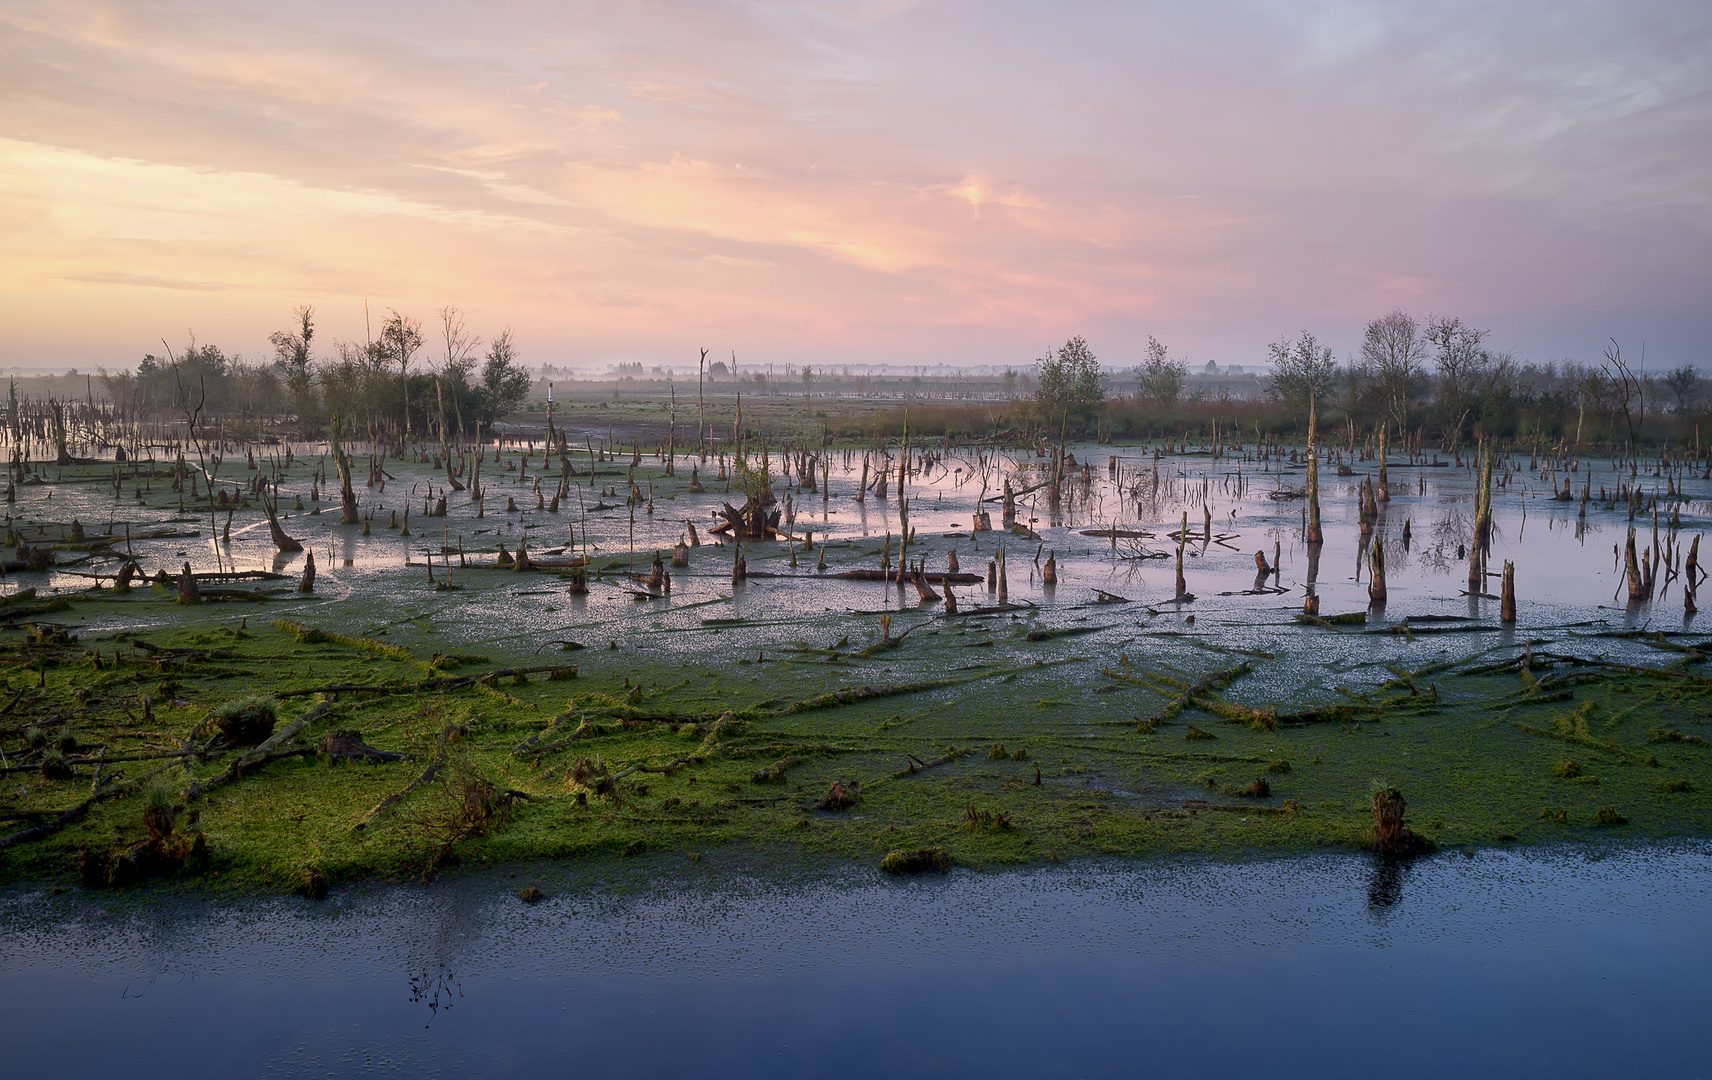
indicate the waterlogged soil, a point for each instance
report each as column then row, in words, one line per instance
column 1096, row 715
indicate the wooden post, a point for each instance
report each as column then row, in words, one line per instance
column 1507, row 595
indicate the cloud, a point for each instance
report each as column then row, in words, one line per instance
column 942, row 180
column 142, row 281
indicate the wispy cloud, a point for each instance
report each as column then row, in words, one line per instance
column 945, row 180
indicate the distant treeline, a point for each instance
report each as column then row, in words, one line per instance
column 1433, row 382
column 395, row 386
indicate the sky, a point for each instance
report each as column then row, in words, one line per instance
column 855, row 182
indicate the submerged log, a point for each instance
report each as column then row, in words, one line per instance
column 882, row 575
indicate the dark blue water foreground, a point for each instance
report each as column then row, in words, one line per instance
column 1502, row 964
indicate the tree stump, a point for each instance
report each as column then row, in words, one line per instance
column 1390, row 835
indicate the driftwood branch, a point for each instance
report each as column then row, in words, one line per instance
column 916, row 765
column 66, row 817
column 427, row 777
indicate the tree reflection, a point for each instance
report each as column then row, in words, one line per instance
column 1385, row 887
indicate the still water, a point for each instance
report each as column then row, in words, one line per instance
column 1496, row 963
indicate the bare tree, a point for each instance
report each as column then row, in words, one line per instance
column 1392, row 352
column 455, row 368
column 460, row 344
column 1631, row 390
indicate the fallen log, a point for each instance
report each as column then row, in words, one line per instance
column 915, row 764
column 776, row 771
column 529, row 744
column 884, row 575
column 346, row 744
column 444, row 682
column 991, row 609
column 66, row 817
column 1194, row 690
column 262, row 754
column 426, row 777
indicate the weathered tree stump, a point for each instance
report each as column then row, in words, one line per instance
column 346, row 744
column 1390, row 835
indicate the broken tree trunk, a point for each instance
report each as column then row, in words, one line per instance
column 1376, row 572
column 1182, row 538
column 347, row 495
column 923, row 589
column 280, row 539
column 1631, row 566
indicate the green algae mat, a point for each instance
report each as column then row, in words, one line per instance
column 283, row 754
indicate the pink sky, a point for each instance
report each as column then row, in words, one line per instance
column 855, row 182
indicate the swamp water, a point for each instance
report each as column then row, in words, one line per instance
column 1569, row 573
column 1491, row 963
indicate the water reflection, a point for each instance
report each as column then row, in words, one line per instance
column 1385, row 885
column 1049, row 971
column 436, row 989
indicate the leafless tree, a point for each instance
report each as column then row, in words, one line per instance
column 1393, row 353
column 1630, row 388
column 460, row 344
column 1467, row 369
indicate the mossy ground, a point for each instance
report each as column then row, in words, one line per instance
column 1479, row 761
